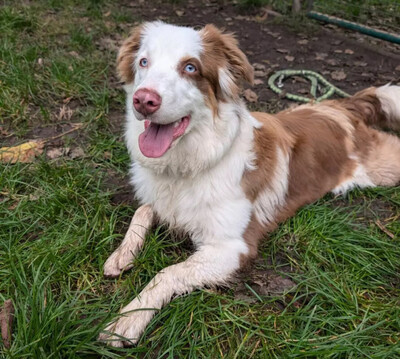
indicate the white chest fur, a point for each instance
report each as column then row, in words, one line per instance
column 211, row 205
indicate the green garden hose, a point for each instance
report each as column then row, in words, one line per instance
column 318, row 82
column 380, row 34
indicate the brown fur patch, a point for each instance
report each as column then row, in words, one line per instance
column 206, row 87
column 126, row 55
column 319, row 160
column 364, row 105
column 266, row 141
column 221, row 51
column 320, row 140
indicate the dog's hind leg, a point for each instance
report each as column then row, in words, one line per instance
column 378, row 152
column 122, row 257
column 376, row 106
column 382, row 164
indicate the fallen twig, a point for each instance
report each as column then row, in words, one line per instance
column 384, row 229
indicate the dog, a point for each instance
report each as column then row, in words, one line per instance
column 203, row 164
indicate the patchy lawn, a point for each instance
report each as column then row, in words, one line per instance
column 326, row 283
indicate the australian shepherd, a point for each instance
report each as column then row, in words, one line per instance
column 204, row 164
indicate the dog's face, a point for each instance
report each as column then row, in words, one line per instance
column 176, row 77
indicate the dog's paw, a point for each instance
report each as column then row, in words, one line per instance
column 118, row 262
column 127, row 329
column 118, row 334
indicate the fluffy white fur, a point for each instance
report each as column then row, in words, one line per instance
column 359, row 179
column 274, row 196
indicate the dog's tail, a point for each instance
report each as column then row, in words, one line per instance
column 378, row 106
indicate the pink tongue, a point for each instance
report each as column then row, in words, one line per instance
column 156, row 139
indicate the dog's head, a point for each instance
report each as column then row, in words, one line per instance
column 176, row 78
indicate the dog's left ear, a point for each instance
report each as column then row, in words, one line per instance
column 221, row 50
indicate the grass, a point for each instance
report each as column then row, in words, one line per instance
column 59, row 223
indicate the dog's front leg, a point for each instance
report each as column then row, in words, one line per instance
column 212, row 264
column 122, row 257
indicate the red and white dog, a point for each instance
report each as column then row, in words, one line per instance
column 204, row 164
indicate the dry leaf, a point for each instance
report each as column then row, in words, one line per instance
column 24, row 153
column 56, row 152
column 77, row 152
column 303, row 91
column 250, row 95
column 260, row 73
column 361, row 63
column 348, row 51
column 289, row 58
column 258, row 82
column 107, row 43
column 282, row 51
column 397, row 68
column 274, row 34
column 258, row 66
column 180, row 12
column 338, row 75
column 6, row 320
column 302, row 42
column 74, row 54
column 65, row 113
column 320, row 55
column 339, row 51
column 4, row 132
column 332, row 62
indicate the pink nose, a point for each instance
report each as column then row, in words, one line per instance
column 146, row 101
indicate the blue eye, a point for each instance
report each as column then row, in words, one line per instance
column 143, row 62
column 190, row 68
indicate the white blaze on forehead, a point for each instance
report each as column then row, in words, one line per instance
column 170, row 43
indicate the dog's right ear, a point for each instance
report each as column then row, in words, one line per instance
column 126, row 55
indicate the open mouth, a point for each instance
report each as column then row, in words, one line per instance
column 157, row 139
